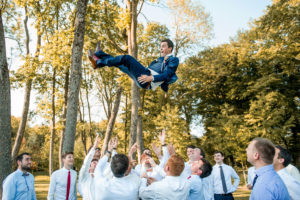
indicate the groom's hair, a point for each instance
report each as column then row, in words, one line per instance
column 119, row 165
column 169, row 42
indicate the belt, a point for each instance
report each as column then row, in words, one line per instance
column 228, row 194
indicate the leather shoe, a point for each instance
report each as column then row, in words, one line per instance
column 92, row 58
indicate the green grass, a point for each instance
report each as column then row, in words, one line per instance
column 42, row 184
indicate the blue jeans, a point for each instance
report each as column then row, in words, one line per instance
column 126, row 64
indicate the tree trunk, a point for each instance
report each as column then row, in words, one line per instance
column 140, row 137
column 125, row 123
column 52, row 123
column 63, row 119
column 5, row 119
column 133, row 51
column 112, row 120
column 81, row 118
column 28, row 86
column 68, row 142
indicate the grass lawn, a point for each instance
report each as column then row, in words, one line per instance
column 42, row 184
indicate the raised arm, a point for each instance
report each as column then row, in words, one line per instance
column 103, row 161
column 84, row 171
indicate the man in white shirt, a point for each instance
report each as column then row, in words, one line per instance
column 281, row 159
column 86, row 186
column 124, row 185
column 208, row 190
column 172, row 187
column 187, row 165
column 200, row 170
column 222, row 175
column 63, row 181
column 293, row 171
column 147, row 163
column 251, row 176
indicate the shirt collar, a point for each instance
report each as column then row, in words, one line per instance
column 65, row 169
column 22, row 173
column 264, row 169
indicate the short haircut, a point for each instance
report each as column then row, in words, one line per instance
column 285, row 154
column 95, row 159
column 206, row 169
column 64, row 155
column 175, row 164
column 169, row 42
column 265, row 149
column 119, row 165
column 220, row 152
column 20, row 157
column 190, row 146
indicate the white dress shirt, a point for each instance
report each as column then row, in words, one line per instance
column 251, row 175
column 196, row 190
column 157, row 172
column 58, row 185
column 19, row 186
column 228, row 173
column 292, row 185
column 170, row 188
column 293, row 171
column 186, row 171
column 86, row 186
column 125, row 188
column 208, row 189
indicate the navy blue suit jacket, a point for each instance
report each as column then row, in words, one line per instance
column 168, row 72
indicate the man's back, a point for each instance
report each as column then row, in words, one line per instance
column 117, row 188
column 170, row 188
column 268, row 185
column 292, row 185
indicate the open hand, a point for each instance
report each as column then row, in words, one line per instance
column 145, row 79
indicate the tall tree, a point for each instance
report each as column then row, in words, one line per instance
column 36, row 10
column 111, row 121
column 5, row 119
column 71, row 120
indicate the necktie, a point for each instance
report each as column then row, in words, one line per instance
column 254, row 181
column 223, row 180
column 68, row 185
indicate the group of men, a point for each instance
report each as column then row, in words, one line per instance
column 116, row 176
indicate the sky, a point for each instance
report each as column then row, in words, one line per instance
column 228, row 17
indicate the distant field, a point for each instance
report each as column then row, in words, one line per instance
column 42, row 183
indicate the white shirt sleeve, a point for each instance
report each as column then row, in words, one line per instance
column 75, row 192
column 236, row 179
column 146, row 192
column 165, row 157
column 84, row 171
column 99, row 171
column 52, row 187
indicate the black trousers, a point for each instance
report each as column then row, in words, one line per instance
column 223, row 196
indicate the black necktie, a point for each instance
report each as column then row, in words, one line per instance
column 223, row 180
column 254, row 181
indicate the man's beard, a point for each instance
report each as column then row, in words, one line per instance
column 25, row 168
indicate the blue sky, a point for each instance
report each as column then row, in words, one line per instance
column 228, row 16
